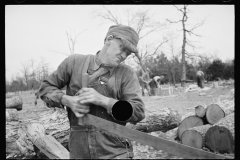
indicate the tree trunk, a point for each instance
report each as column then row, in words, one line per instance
column 194, row 137
column 163, row 121
column 214, row 113
column 14, row 102
column 189, row 122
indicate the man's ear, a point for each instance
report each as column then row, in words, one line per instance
column 108, row 39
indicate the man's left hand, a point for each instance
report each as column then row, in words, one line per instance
column 90, row 95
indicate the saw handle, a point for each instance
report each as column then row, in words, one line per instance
column 84, row 85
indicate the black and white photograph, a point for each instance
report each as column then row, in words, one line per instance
column 120, row 81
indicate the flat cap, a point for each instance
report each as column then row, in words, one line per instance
column 127, row 34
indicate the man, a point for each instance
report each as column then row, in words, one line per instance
column 110, row 84
column 155, row 85
column 200, row 78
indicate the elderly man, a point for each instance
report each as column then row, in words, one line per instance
column 113, row 93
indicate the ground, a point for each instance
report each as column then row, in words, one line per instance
column 183, row 102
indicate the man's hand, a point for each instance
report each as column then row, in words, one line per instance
column 90, row 95
column 73, row 102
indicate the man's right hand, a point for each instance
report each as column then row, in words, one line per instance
column 73, row 102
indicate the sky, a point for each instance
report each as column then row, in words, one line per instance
column 39, row 31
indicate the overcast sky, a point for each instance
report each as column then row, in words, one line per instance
column 35, row 31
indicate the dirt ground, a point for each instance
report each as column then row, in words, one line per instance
column 183, row 102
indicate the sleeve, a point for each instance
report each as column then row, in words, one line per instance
column 131, row 93
column 50, row 88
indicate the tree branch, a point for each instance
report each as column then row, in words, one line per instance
column 59, row 52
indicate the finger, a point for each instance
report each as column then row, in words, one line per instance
column 87, row 101
column 82, row 110
column 85, row 96
column 78, row 115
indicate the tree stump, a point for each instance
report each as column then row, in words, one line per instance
column 194, row 137
column 220, row 137
column 215, row 85
column 189, row 122
column 214, row 113
column 164, row 120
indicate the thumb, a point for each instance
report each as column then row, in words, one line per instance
column 78, row 115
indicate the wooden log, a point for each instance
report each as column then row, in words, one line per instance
column 220, row 138
column 10, row 95
column 188, row 122
column 229, row 123
column 46, row 143
column 194, row 137
column 229, row 110
column 200, row 111
column 55, row 122
column 14, row 103
column 11, row 115
column 214, row 113
column 164, row 120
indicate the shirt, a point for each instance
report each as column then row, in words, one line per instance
column 126, row 86
column 200, row 73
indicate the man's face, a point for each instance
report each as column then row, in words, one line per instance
column 116, row 53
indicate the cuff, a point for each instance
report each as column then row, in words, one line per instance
column 110, row 105
column 53, row 101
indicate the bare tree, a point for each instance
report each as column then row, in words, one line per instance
column 141, row 21
column 26, row 72
column 186, row 41
column 72, row 41
column 174, row 51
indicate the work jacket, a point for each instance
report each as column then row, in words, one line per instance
column 119, row 83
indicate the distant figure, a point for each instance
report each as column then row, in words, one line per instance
column 36, row 97
column 155, row 84
column 200, row 78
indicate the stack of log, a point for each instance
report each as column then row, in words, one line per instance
column 210, row 127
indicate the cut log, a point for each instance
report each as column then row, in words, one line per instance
column 229, row 110
column 46, row 143
column 200, row 111
column 194, row 137
column 14, row 103
column 164, row 120
column 219, row 139
column 214, row 113
column 229, row 123
column 189, row 122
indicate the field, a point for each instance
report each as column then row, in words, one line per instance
column 183, row 102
